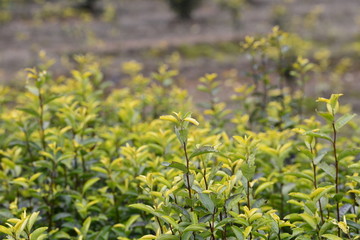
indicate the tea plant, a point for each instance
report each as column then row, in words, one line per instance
column 17, row 229
column 103, row 163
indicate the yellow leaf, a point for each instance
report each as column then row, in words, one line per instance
column 247, row 231
column 343, row 227
column 119, row 225
column 191, row 120
column 169, row 118
column 323, row 100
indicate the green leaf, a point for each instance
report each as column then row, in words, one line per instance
column 320, row 157
column 233, row 200
column 320, row 192
column 248, row 171
column 263, row 186
column 21, row 181
column 338, row 197
column 334, row 100
column 247, row 231
column 32, row 220
column 85, row 227
column 143, row 207
column 327, row 116
column 34, row 177
column 5, row 230
column 326, row 226
column 353, row 224
column 36, row 234
column 199, row 227
column 99, row 169
column 89, row 183
column 130, row 221
column 224, row 222
column 343, row 120
column 61, row 235
column 349, row 152
column 319, row 135
column 181, row 134
column 330, row 170
column 20, row 226
column 207, row 202
column 300, row 175
column 103, row 234
column 176, row 165
column 309, row 220
column 52, row 98
column 33, row 90
column 331, row 237
column 62, row 215
column 203, row 150
column 206, row 218
column 354, row 178
column 299, row 195
column 306, row 151
column 181, row 210
column 191, row 179
column 344, row 209
column 29, row 111
column 186, row 236
column 168, row 237
column 170, row 220
column 238, row 233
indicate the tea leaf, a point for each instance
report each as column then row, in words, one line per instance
column 167, row 237
column 191, row 120
column 320, row 192
column 89, row 183
column 319, row 135
column 349, row 152
column 343, row 120
column 238, row 233
column 35, row 235
column 195, row 228
column 130, row 221
column 203, row 150
column 143, row 207
column 319, row 157
column 330, row 170
column 331, row 237
column 263, row 186
column 30, row 111
column 325, row 227
column 86, row 225
column 188, row 180
column 170, row 220
column 176, row 165
column 207, row 202
column 5, row 230
column 309, row 219
column 299, row 195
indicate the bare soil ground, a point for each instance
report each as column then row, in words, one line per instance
column 142, row 25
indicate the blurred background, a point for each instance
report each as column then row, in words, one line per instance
column 193, row 36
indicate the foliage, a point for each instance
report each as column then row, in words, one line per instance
column 140, row 162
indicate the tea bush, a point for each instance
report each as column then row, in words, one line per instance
column 88, row 161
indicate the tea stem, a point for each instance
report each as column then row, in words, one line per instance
column 336, row 173
column 187, row 173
